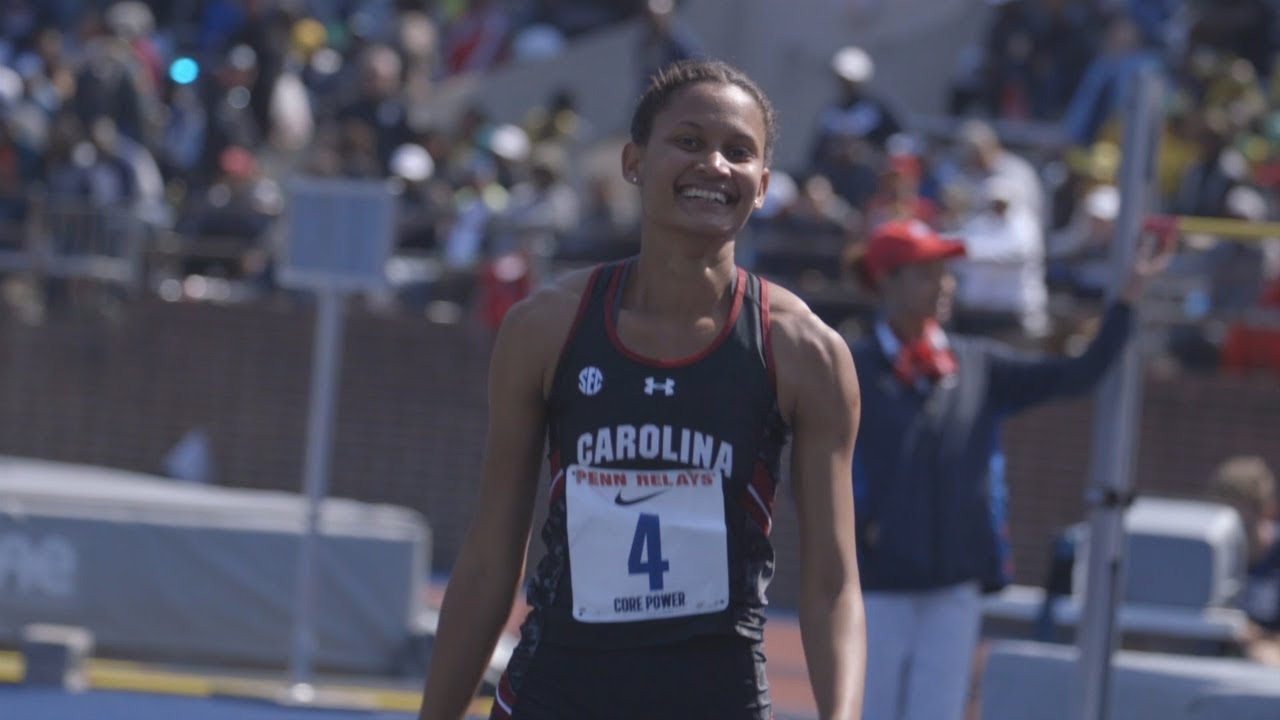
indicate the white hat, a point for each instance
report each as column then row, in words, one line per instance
column 853, row 64
column 412, row 162
column 1102, row 202
column 1245, row 203
column 509, row 142
column 131, row 19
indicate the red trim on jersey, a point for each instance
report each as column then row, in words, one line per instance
column 758, row 498
column 504, row 699
column 612, row 331
column 557, row 475
column 768, row 343
column 583, row 302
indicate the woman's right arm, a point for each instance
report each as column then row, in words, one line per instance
column 1019, row 381
column 484, row 580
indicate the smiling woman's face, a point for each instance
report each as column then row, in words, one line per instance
column 702, row 171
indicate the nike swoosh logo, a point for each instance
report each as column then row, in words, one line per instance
column 632, row 501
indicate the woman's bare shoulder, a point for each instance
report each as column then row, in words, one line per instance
column 536, row 328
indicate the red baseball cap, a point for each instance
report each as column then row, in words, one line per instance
column 902, row 242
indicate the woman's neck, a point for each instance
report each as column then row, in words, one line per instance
column 680, row 283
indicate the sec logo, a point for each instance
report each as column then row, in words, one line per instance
column 590, row 380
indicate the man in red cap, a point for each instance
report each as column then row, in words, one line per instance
column 928, row 471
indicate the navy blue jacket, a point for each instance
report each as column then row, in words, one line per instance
column 928, row 473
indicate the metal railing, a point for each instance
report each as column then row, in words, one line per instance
column 62, row 238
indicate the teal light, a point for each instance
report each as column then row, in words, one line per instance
column 184, row 71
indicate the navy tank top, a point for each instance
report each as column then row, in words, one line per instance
column 663, row 480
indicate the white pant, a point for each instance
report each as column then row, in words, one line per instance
column 920, row 649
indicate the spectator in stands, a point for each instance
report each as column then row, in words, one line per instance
column 899, row 197
column 60, row 173
column 1243, row 27
column 477, row 39
column 1000, row 287
column 227, row 224
column 19, row 164
column 1252, row 346
column 1006, row 56
column 231, row 121
column 290, row 117
column 88, row 173
column 132, row 22
column 978, row 158
column 928, row 471
column 663, row 40
column 557, row 121
column 182, row 144
column 1237, row 270
column 1078, row 256
column 48, row 71
column 1247, row 484
column 418, row 40
column 265, row 31
column 1179, row 147
column 380, row 106
column 1099, row 93
column 857, row 112
column 469, row 136
column 1033, row 56
column 1218, row 167
column 1063, row 42
column 609, row 211
column 798, row 227
column 111, row 82
column 425, row 200
column 850, row 132
column 1227, row 278
column 142, row 174
column 507, row 146
column 541, row 210
column 18, row 22
column 478, row 200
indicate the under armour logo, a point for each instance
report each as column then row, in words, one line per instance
column 667, row 387
column 590, row 380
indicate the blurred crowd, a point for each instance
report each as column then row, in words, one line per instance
column 191, row 114
column 1026, row 170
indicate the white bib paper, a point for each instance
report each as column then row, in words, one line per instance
column 646, row 544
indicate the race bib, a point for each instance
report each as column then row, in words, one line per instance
column 646, row 544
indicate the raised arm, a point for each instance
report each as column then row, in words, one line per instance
column 819, row 393
column 486, row 576
column 1020, row 381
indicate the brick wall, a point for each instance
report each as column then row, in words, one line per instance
column 120, row 391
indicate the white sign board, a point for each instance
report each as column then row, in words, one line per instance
column 339, row 234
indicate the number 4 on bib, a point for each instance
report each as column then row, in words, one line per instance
column 646, row 551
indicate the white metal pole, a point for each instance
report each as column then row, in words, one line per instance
column 1116, row 417
column 326, row 359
